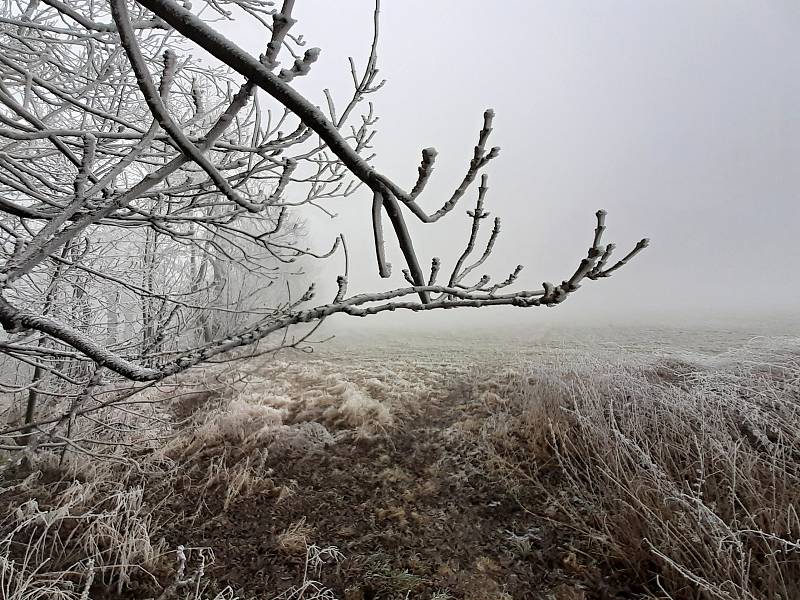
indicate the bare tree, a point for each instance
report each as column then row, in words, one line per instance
column 145, row 197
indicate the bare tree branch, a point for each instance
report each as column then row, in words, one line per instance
column 147, row 204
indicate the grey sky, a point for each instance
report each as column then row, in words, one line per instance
column 680, row 118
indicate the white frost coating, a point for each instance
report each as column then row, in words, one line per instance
column 360, row 409
column 241, row 420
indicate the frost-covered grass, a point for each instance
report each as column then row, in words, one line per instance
column 677, row 471
column 82, row 532
column 685, row 474
column 87, row 525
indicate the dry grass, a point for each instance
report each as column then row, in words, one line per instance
column 686, row 475
column 90, row 532
column 90, row 527
column 295, row 539
column 682, row 475
column 316, row 558
column 358, row 410
column 97, row 535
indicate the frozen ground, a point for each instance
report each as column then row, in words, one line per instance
column 563, row 464
column 455, row 350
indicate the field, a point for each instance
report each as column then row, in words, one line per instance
column 599, row 464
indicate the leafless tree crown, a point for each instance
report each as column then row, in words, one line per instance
column 146, row 220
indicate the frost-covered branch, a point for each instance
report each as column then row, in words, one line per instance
column 147, row 200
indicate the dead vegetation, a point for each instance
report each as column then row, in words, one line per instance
column 318, row 478
column 685, row 476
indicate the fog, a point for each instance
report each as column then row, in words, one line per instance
column 681, row 119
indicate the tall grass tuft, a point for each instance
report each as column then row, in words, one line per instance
column 684, row 474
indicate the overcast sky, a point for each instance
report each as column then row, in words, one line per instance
column 680, row 118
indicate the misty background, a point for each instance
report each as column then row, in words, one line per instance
column 679, row 118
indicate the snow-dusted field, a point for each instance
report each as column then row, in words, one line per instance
column 455, row 351
column 576, row 463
